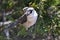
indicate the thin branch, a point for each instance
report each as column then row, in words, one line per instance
column 5, row 23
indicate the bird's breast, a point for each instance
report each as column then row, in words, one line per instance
column 31, row 20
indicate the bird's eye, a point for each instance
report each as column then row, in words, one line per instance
column 30, row 11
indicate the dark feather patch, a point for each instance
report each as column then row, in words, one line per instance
column 23, row 19
column 30, row 11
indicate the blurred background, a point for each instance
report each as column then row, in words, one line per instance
column 47, row 26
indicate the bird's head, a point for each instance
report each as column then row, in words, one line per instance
column 28, row 10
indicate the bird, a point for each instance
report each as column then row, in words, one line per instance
column 28, row 19
column 32, row 16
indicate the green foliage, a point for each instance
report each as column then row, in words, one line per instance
column 48, row 10
column 22, row 32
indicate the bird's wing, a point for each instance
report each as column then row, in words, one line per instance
column 23, row 19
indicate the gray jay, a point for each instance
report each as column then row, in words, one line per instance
column 31, row 17
column 28, row 19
